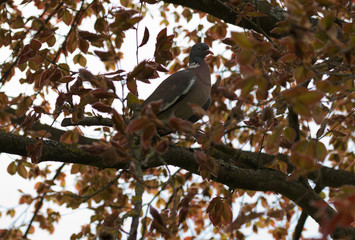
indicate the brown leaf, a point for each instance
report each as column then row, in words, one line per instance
column 227, row 93
column 91, row 37
column 137, row 124
column 162, row 52
column 306, row 154
column 11, row 169
column 102, row 107
column 69, row 137
column 21, row 170
column 132, row 86
column 72, row 42
column 118, row 122
column 66, row 79
column 145, row 37
column 144, row 71
column 148, row 132
column 86, row 75
column 101, row 93
column 55, row 76
column 272, row 141
column 156, row 216
column 213, row 211
column 30, row 119
column 83, row 45
column 105, row 55
column 185, row 202
column 161, row 146
column 183, row 214
column 216, row 133
column 24, row 105
column 208, row 166
column 35, row 44
column 124, row 19
column 311, row 97
column 78, row 114
column 338, row 133
column 35, row 150
column 178, row 124
column 241, row 40
column 322, row 128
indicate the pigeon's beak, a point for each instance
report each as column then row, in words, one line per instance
column 209, row 52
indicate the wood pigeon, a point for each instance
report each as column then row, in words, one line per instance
column 192, row 85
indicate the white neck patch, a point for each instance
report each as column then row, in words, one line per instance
column 194, row 65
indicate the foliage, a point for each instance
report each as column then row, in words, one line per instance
column 287, row 95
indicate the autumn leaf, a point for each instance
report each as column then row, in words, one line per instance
column 35, row 44
column 310, row 97
column 118, row 122
column 161, row 146
column 35, row 150
column 158, row 223
column 102, row 93
column 69, row 137
column 148, row 133
column 102, row 107
column 144, row 71
column 137, row 124
column 11, row 169
column 241, row 40
column 83, row 45
column 105, row 55
column 162, row 52
column 219, row 212
column 306, row 155
column 145, row 37
column 272, row 141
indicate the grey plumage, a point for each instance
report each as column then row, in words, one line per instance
column 192, row 85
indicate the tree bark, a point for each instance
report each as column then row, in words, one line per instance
column 222, row 9
column 263, row 179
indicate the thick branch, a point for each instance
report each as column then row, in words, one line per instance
column 52, row 150
column 228, row 174
column 324, row 176
column 223, row 10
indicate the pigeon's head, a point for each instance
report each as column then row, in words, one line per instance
column 198, row 52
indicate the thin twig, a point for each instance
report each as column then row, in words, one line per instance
column 137, row 201
column 151, row 201
column 87, row 197
column 74, row 24
column 8, row 71
column 39, row 205
column 336, row 125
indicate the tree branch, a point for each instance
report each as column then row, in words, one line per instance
column 263, row 179
column 88, row 121
column 302, row 220
column 324, row 176
column 40, row 203
column 224, row 10
column 55, row 133
column 137, row 201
